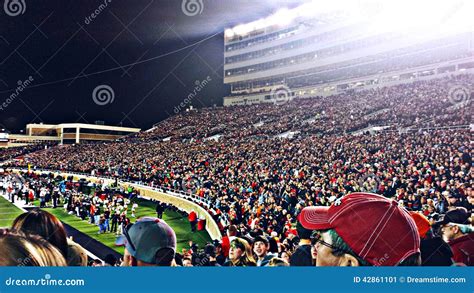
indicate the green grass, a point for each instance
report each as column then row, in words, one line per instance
column 8, row 212
column 179, row 224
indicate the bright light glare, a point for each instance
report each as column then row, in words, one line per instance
column 430, row 16
column 407, row 16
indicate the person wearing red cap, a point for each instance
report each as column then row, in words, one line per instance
column 363, row 229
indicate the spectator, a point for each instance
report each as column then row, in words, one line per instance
column 301, row 257
column 19, row 249
column 277, row 262
column 44, row 224
column 261, row 248
column 286, row 256
column 148, row 242
column 434, row 251
column 220, row 258
column 363, row 229
column 187, row 262
column 77, row 255
column 459, row 234
column 227, row 239
column 240, row 254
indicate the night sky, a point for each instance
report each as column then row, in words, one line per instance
column 67, row 54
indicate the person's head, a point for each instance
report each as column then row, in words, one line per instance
column 303, row 233
column 363, row 229
column 210, row 250
column 76, row 255
column 470, row 198
column 148, row 242
column 218, row 248
column 261, row 246
column 422, row 224
column 187, row 262
column 453, row 224
column 240, row 253
column 232, row 231
column 19, row 249
column 110, row 259
column 452, row 199
column 44, row 224
column 285, row 255
column 278, row 262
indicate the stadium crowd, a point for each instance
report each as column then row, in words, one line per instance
column 15, row 152
column 260, row 189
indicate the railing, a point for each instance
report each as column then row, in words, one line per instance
column 175, row 192
column 198, row 202
column 452, row 127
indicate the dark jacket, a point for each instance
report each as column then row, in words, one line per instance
column 435, row 252
column 302, row 257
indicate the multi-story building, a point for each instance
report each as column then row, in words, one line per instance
column 296, row 54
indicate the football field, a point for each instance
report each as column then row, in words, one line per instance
column 180, row 224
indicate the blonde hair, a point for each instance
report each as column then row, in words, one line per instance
column 247, row 257
column 76, row 255
column 19, row 249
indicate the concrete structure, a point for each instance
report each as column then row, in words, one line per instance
column 77, row 132
column 298, row 53
column 181, row 201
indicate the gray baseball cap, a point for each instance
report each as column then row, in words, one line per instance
column 146, row 237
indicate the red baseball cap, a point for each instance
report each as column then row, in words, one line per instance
column 374, row 227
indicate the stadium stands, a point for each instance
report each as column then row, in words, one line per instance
column 258, row 182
